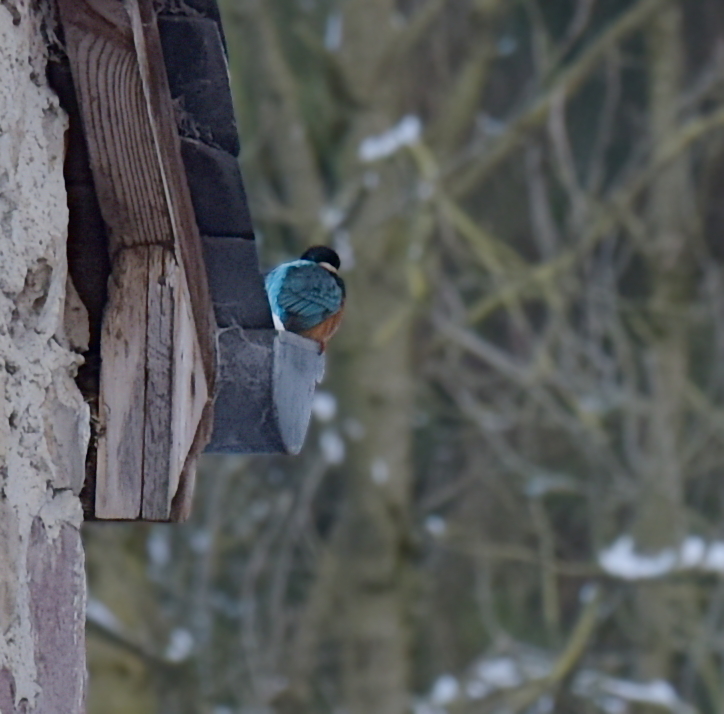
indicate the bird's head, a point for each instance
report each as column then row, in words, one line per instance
column 326, row 257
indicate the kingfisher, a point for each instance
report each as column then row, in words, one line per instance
column 307, row 295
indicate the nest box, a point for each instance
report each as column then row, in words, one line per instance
column 182, row 355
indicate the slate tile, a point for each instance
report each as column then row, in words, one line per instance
column 236, row 285
column 192, row 8
column 198, row 77
column 217, row 190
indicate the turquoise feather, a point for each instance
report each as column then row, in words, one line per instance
column 303, row 294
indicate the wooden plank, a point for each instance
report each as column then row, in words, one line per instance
column 190, row 390
column 126, row 174
column 175, row 379
column 163, row 123
column 182, row 500
column 161, row 307
column 119, row 469
column 158, row 362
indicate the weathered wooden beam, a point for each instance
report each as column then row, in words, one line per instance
column 181, row 211
column 157, row 346
column 120, row 464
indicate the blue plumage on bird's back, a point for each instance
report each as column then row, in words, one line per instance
column 306, row 295
column 274, row 283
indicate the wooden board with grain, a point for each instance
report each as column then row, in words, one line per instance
column 187, row 387
column 161, row 112
column 159, row 399
column 158, row 364
column 119, row 470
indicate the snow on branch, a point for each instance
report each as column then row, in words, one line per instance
column 621, row 560
column 407, row 131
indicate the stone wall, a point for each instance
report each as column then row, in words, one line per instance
column 44, row 422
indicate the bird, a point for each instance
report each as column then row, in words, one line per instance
column 307, row 295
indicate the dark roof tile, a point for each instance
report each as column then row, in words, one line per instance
column 198, row 77
column 217, row 190
column 237, row 287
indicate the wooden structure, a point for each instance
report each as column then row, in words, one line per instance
column 153, row 182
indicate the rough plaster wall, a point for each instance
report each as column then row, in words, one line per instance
column 43, row 419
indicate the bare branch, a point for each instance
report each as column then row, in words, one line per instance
column 486, row 159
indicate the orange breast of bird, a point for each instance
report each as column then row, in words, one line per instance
column 324, row 330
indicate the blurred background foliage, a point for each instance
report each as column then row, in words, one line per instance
column 511, row 495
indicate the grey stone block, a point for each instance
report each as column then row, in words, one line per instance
column 265, row 388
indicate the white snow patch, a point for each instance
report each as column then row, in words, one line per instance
column 621, row 559
column 333, row 32
column 324, row 406
column 486, row 677
column 158, row 547
column 200, row 541
column 610, row 694
column 331, row 217
column 613, row 694
column 435, row 525
column 180, row 645
column 656, row 692
column 499, row 673
column 100, row 614
column 496, row 673
column 332, row 446
column 476, row 689
column 445, row 691
column 343, row 246
column 380, row 471
column 696, row 553
column 407, row 131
